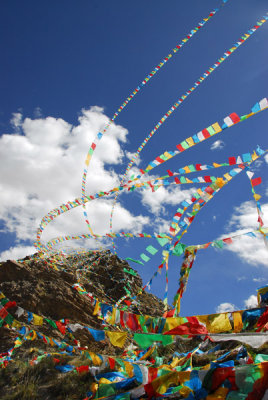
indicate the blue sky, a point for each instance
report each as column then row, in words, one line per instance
column 58, row 61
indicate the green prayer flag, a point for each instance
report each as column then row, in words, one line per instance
column 210, row 130
column 52, row 323
column 185, row 145
column 106, row 390
column 218, row 243
column 130, row 271
column 178, row 250
column 191, row 168
column 152, row 250
column 135, row 261
column 162, row 241
column 261, row 358
column 144, row 257
column 141, row 319
column 145, row 341
column 163, row 157
column 9, row 319
column 4, row 301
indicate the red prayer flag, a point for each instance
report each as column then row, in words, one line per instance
column 207, row 179
column 205, row 133
column 262, row 321
column 61, row 327
column 192, row 327
column 256, row 181
column 82, row 368
column 209, row 190
column 111, row 362
column 232, row 160
column 169, row 313
column 179, row 147
column 152, row 374
column 10, row 304
column 235, row 118
column 3, row 313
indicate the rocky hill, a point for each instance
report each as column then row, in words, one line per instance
column 56, row 339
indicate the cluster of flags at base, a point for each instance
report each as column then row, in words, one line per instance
column 140, row 372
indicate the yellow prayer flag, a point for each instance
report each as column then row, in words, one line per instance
column 117, row 338
column 254, row 156
column 166, row 154
column 202, row 318
column 16, row 324
column 216, row 127
column 172, row 323
column 129, row 368
column 95, row 358
column 190, row 141
column 238, row 324
column 199, row 191
column 187, row 169
column 257, row 196
column 227, row 176
column 37, row 320
column 87, row 159
column 219, row 323
column 220, row 182
column 105, row 381
column 97, row 307
column 111, row 319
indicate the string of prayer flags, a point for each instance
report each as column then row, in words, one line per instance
column 127, row 100
column 184, row 215
column 184, row 96
column 254, row 156
column 199, row 137
column 189, row 257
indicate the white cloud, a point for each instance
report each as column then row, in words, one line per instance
column 14, row 253
column 251, row 302
column 42, row 168
column 251, row 250
column 16, row 121
column 225, row 307
column 156, row 201
column 130, row 155
column 259, row 279
column 219, row 144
